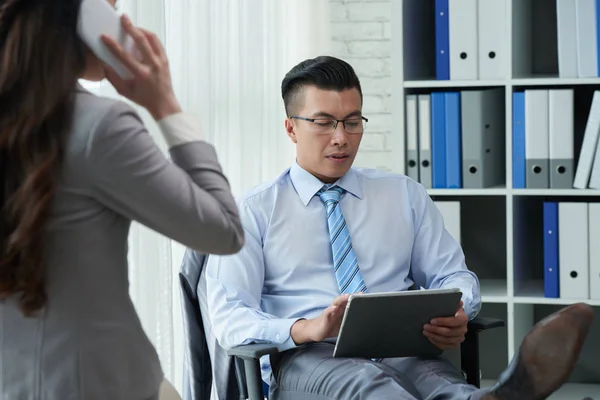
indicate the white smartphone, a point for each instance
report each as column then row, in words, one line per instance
column 98, row 17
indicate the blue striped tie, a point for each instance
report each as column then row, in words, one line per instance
column 346, row 268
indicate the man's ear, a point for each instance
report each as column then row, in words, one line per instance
column 289, row 129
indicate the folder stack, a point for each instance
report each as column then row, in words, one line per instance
column 577, row 36
column 469, row 39
column 587, row 174
column 571, row 253
column 543, row 133
column 455, row 139
column 543, row 125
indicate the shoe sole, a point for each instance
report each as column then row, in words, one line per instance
column 547, row 355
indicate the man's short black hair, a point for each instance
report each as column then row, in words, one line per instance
column 323, row 72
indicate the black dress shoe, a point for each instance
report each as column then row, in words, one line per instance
column 546, row 356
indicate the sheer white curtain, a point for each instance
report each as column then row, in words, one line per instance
column 227, row 59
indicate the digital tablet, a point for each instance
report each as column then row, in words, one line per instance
column 388, row 325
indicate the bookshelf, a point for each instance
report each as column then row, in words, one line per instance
column 498, row 223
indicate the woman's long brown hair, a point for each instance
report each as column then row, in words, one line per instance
column 40, row 59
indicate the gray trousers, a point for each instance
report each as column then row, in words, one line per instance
column 310, row 369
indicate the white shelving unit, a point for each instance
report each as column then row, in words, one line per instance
column 511, row 289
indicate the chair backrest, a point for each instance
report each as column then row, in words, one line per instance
column 205, row 361
column 197, row 368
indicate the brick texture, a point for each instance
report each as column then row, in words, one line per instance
column 360, row 34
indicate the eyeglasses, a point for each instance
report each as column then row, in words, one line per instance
column 352, row 126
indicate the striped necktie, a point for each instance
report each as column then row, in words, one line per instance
column 346, row 268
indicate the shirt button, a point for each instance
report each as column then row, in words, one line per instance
column 277, row 337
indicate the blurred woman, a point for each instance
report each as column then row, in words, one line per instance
column 75, row 170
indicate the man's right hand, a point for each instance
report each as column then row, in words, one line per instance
column 325, row 326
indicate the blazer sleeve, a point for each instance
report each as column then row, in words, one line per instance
column 188, row 200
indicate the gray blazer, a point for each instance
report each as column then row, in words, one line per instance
column 88, row 343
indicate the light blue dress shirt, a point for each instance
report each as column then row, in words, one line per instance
column 284, row 272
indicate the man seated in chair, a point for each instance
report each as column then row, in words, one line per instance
column 324, row 229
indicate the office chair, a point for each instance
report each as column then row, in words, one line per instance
column 236, row 373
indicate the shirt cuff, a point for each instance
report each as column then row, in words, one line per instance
column 180, row 128
column 471, row 306
column 278, row 331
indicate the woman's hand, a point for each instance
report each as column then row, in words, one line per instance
column 150, row 85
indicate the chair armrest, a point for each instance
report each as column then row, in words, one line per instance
column 469, row 349
column 253, row 351
column 479, row 324
column 247, row 368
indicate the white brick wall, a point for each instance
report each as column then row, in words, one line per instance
column 360, row 34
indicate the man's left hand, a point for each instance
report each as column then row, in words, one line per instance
column 448, row 332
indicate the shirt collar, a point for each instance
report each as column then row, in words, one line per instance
column 307, row 185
